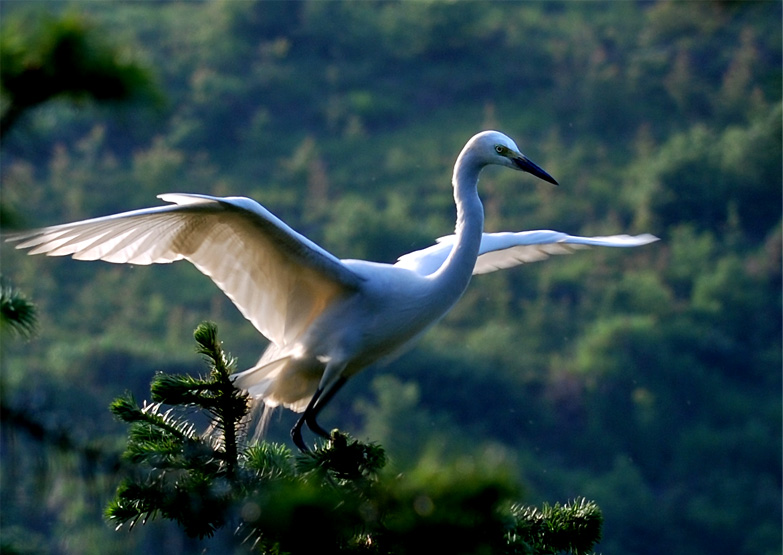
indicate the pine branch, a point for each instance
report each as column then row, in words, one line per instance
column 269, row 461
column 127, row 410
column 228, row 414
column 572, row 528
column 193, row 502
column 16, row 312
column 186, row 478
column 161, row 440
column 217, row 395
column 344, row 458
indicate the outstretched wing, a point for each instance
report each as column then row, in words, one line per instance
column 504, row 250
column 277, row 278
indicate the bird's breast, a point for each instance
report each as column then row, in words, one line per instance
column 393, row 307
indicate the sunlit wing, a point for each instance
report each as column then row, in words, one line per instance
column 277, row 278
column 505, row 250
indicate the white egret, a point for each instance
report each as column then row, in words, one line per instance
column 326, row 318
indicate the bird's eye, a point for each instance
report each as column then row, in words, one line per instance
column 500, row 149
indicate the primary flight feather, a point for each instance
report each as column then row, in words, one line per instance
column 326, row 318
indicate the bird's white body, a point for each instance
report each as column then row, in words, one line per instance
column 326, row 318
column 375, row 321
column 390, row 306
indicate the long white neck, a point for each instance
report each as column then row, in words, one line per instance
column 454, row 275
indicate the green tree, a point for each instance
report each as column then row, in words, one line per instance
column 45, row 57
column 335, row 499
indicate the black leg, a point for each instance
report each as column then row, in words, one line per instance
column 296, row 435
column 309, row 416
column 296, row 431
column 316, row 404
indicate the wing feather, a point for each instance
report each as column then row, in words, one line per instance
column 504, row 250
column 277, row 278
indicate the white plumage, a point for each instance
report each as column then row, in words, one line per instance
column 499, row 251
column 326, row 318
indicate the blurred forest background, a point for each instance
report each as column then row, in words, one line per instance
column 648, row 380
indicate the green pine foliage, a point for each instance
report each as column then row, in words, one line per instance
column 17, row 313
column 568, row 528
column 335, row 499
column 186, row 468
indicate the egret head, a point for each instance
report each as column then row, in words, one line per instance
column 493, row 147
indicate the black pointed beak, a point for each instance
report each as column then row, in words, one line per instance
column 522, row 163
